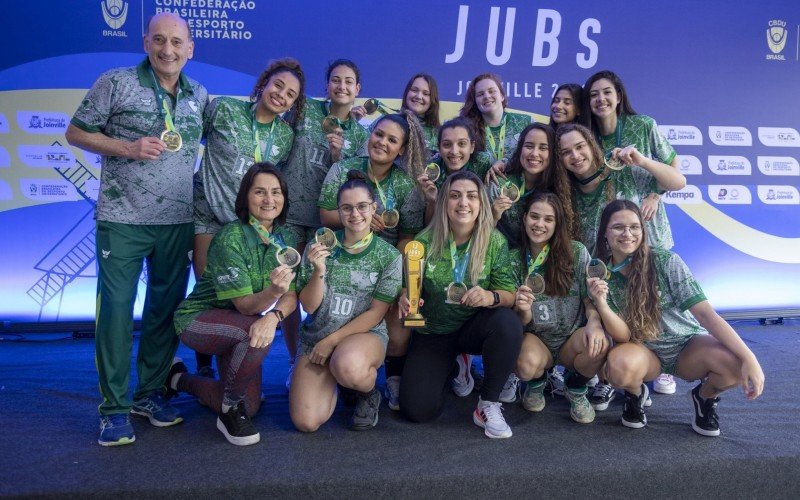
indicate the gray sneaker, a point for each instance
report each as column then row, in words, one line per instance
column 365, row 416
column 509, row 392
column 579, row 408
column 533, row 397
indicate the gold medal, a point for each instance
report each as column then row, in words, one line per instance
column 455, row 292
column 433, row 172
column 326, row 238
column 288, row 256
column 535, row 282
column 330, row 125
column 511, row 191
column 614, row 163
column 390, row 218
column 597, row 269
column 172, row 140
column 371, row 105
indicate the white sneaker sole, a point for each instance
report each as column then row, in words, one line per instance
column 661, row 389
column 463, row 390
column 154, row 422
column 699, row 430
column 238, row 441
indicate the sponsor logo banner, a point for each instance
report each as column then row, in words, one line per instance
column 730, row 194
column 730, row 136
column 778, row 195
column 682, row 135
column 48, row 190
column 778, row 165
column 688, row 195
column 779, row 136
column 690, row 165
column 45, row 156
column 42, row 122
column 729, row 165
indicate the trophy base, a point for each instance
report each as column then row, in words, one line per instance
column 414, row 321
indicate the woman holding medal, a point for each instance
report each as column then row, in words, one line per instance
column 467, row 289
column 250, row 269
column 238, row 134
column 497, row 130
column 565, row 107
column 456, row 151
column 399, row 208
column 346, row 285
column 661, row 322
column 595, row 182
column 616, row 125
column 561, row 325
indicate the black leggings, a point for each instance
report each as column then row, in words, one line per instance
column 494, row 333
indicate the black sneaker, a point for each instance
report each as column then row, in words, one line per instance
column 365, row 416
column 236, row 426
column 633, row 414
column 602, row 395
column 705, row 413
column 170, row 385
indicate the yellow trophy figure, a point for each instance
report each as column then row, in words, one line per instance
column 414, row 266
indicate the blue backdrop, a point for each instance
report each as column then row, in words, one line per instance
column 722, row 82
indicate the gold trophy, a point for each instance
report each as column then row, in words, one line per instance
column 414, row 267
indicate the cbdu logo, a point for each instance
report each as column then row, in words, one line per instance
column 115, row 12
column 776, row 39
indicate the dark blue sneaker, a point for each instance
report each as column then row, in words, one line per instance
column 116, row 430
column 157, row 410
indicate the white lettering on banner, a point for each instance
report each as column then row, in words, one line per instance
column 778, row 195
column 210, row 19
column 508, row 36
column 545, row 43
column 779, row 136
column 730, row 136
column 688, row 195
column 682, row 135
column 778, row 165
column 730, row 195
column 690, row 165
column 729, row 165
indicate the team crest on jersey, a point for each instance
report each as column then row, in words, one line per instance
column 105, row 253
column 193, row 105
column 373, row 278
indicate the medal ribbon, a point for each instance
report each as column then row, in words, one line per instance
column 534, row 265
column 622, row 265
column 257, row 154
column 498, row 149
column 459, row 264
column 365, row 241
column 163, row 111
column 387, row 197
column 265, row 235
column 617, row 136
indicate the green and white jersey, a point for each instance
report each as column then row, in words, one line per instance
column 431, row 135
column 678, row 291
column 122, row 104
column 398, row 187
column 478, row 165
column 352, row 281
column 497, row 274
column 641, row 131
column 230, row 149
column 628, row 184
column 239, row 264
column 515, row 123
column 310, row 160
column 554, row 319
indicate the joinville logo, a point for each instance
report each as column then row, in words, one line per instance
column 776, row 39
column 115, row 12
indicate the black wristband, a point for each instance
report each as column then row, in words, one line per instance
column 278, row 313
column 496, row 298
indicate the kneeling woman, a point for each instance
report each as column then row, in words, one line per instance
column 660, row 320
column 222, row 316
column 467, row 289
column 346, row 291
column 561, row 324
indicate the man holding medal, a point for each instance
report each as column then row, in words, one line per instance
column 146, row 121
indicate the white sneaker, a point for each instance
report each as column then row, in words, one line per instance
column 463, row 383
column 509, row 392
column 593, row 381
column 489, row 417
column 665, row 384
column 393, row 392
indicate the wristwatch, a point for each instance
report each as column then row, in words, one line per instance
column 278, row 313
column 496, row 298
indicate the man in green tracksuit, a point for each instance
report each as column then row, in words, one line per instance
column 146, row 121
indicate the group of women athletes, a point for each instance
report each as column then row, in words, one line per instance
column 544, row 245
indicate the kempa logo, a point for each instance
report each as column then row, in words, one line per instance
column 776, row 39
column 115, row 12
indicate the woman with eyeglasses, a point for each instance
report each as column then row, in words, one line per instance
column 346, row 289
column 661, row 322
